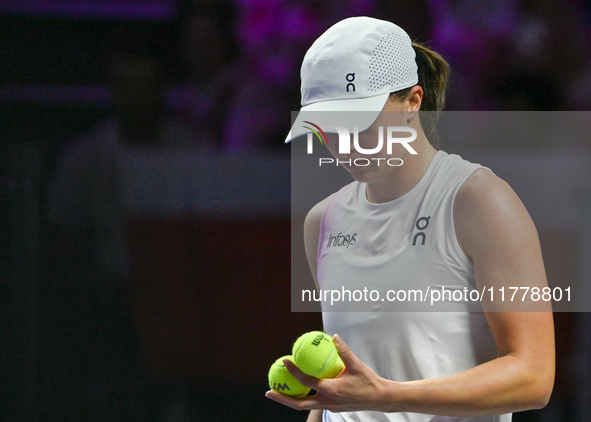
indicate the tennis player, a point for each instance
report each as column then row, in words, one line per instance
column 435, row 221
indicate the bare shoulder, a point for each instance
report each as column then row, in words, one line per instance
column 484, row 194
column 497, row 233
column 486, row 207
column 484, row 186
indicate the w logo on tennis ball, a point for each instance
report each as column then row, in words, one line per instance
column 280, row 387
column 282, row 381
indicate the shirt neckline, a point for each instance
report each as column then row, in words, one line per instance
column 370, row 209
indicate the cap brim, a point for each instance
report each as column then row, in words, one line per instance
column 352, row 114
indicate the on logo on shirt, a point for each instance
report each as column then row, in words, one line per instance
column 421, row 224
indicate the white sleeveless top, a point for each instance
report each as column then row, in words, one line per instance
column 406, row 244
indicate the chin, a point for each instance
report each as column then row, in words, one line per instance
column 362, row 174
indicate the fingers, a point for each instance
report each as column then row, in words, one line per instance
column 303, row 403
column 349, row 359
column 307, row 380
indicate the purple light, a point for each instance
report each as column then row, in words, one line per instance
column 153, row 10
column 78, row 95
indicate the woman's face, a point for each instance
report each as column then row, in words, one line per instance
column 385, row 157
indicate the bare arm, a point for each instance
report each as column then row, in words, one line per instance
column 496, row 232
column 315, row 416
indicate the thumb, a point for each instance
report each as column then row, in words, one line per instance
column 349, row 359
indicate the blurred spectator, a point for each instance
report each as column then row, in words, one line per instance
column 332, row 11
column 552, row 39
column 473, row 37
column 209, row 53
column 412, row 15
column 138, row 87
column 524, row 91
column 274, row 36
column 92, row 369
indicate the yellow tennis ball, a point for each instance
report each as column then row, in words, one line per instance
column 316, row 355
column 282, row 381
column 336, row 369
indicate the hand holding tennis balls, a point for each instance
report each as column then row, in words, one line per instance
column 315, row 354
column 357, row 388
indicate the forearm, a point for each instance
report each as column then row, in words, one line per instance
column 315, row 416
column 500, row 386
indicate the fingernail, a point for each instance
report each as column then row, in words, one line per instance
column 337, row 339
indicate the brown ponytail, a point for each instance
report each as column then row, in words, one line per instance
column 433, row 76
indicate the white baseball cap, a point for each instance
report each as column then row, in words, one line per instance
column 353, row 67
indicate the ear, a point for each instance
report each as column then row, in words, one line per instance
column 414, row 100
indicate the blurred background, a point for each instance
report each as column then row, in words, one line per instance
column 145, row 190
